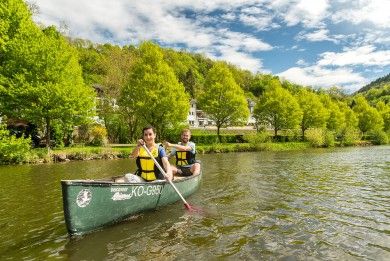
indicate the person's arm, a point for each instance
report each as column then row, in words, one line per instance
column 135, row 152
column 167, row 167
column 165, row 162
column 178, row 146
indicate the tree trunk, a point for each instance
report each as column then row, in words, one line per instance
column 219, row 136
column 47, row 133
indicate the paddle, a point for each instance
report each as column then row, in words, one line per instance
column 166, row 177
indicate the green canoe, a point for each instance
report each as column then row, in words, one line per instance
column 92, row 204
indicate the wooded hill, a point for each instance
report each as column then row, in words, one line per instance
column 378, row 90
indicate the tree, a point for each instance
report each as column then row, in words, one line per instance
column 153, row 92
column 314, row 113
column 336, row 119
column 369, row 117
column 222, row 99
column 278, row 108
column 384, row 110
column 40, row 77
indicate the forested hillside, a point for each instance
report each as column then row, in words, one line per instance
column 378, row 90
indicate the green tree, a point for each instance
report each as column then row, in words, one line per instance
column 336, row 119
column 384, row 110
column 40, row 77
column 278, row 108
column 153, row 92
column 222, row 99
column 369, row 117
column 314, row 113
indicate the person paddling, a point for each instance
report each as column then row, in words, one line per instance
column 185, row 152
column 146, row 166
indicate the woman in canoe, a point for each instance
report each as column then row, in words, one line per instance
column 146, row 166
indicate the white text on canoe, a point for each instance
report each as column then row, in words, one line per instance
column 135, row 192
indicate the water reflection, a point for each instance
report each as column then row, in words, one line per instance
column 317, row 204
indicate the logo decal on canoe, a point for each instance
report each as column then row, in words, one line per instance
column 136, row 192
column 83, row 198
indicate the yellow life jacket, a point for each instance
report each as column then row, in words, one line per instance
column 146, row 167
column 184, row 158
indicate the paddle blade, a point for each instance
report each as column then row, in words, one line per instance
column 192, row 208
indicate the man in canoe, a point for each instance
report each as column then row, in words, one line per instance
column 147, row 169
column 185, row 152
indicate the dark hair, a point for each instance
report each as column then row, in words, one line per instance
column 147, row 128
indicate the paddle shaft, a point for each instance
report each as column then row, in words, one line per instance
column 166, row 176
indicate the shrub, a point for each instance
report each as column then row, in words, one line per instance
column 98, row 136
column 349, row 137
column 315, row 137
column 12, row 149
column 329, row 138
column 379, row 137
column 260, row 137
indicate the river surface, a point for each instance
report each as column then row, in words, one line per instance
column 331, row 204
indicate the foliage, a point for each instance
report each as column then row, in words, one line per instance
column 384, row 110
column 153, row 92
column 222, row 99
column 336, row 119
column 378, row 137
column 315, row 137
column 277, row 108
column 329, row 138
column 314, row 113
column 98, row 136
column 186, row 70
column 12, row 149
column 260, row 137
column 349, row 136
column 369, row 117
column 41, row 77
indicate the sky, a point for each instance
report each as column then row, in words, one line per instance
column 317, row 43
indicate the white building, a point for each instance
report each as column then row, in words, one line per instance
column 197, row 118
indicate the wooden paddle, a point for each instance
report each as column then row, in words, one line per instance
column 166, row 177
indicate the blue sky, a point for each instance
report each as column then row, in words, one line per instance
column 319, row 43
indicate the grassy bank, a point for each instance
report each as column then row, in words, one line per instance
column 116, row 152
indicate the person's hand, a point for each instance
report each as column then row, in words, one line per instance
column 167, row 144
column 140, row 143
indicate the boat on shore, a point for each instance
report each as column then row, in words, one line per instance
column 93, row 204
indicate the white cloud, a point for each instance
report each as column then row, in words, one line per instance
column 307, row 12
column 376, row 12
column 317, row 76
column 317, row 36
column 364, row 55
column 243, row 60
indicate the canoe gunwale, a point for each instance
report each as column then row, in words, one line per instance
column 105, row 182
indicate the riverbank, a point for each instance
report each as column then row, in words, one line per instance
column 123, row 151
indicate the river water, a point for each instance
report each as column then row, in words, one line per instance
column 331, row 204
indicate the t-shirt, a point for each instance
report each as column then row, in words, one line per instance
column 190, row 143
column 161, row 152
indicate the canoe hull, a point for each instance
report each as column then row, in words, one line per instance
column 89, row 205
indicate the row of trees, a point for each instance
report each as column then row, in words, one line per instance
column 58, row 83
column 304, row 108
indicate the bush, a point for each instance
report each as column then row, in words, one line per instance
column 329, row 138
column 98, row 136
column 315, row 137
column 12, row 149
column 260, row 137
column 379, row 137
column 349, row 137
